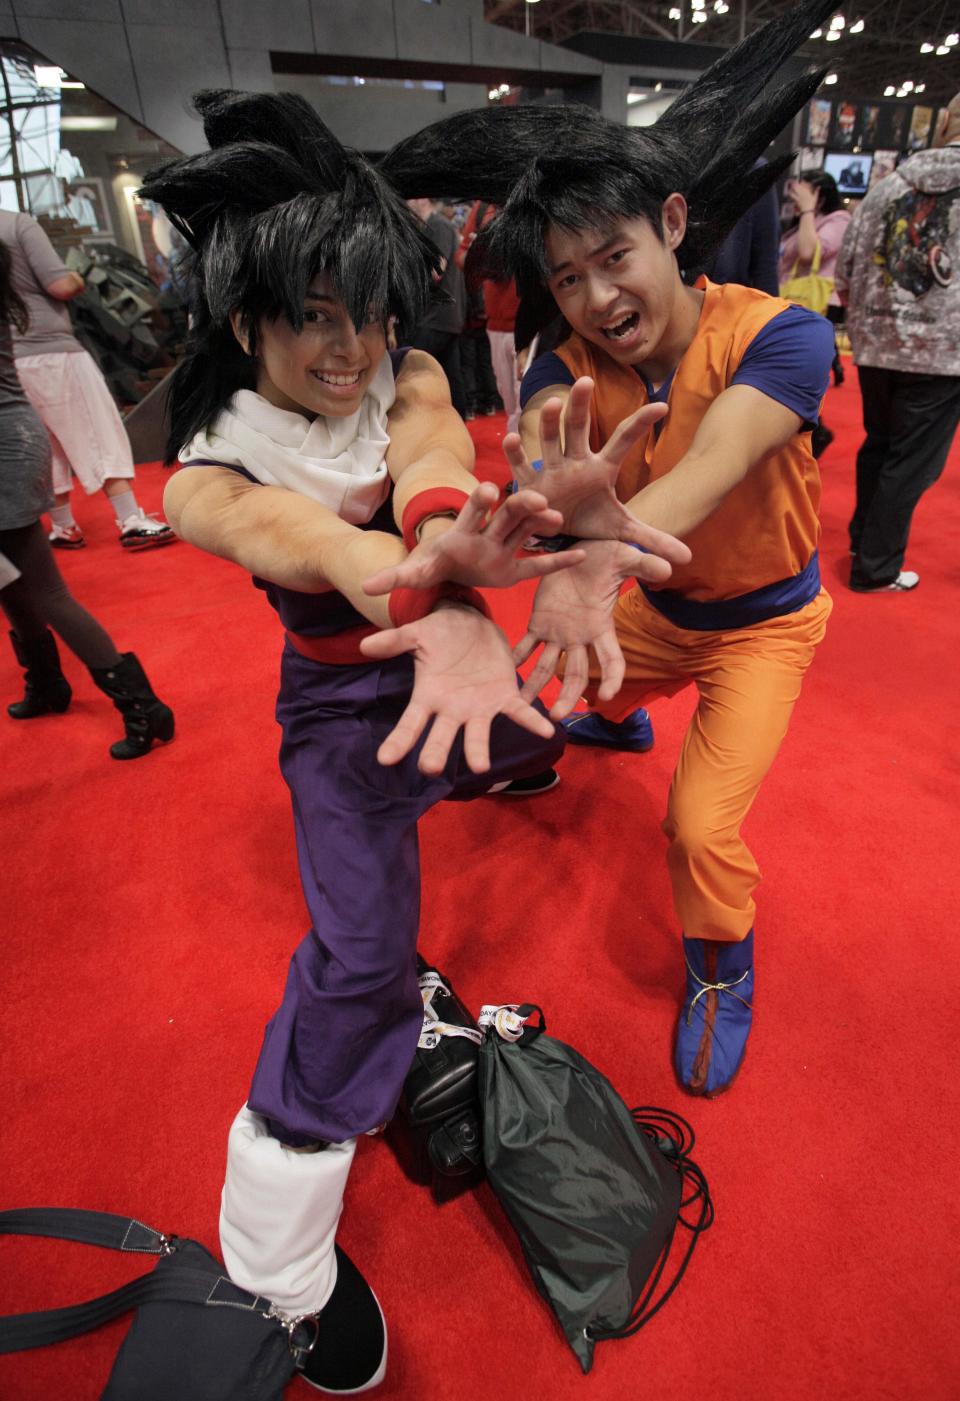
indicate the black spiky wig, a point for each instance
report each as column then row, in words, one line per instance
column 571, row 168
column 275, row 201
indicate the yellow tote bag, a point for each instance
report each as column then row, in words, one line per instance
column 812, row 291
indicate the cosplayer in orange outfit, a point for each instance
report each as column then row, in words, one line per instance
column 688, row 408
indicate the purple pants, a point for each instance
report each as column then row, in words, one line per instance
column 338, row 1049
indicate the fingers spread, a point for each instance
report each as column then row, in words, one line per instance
column 612, row 666
column 436, row 750
column 524, row 647
column 404, row 734
column 476, row 743
column 631, row 430
column 576, row 419
column 475, row 509
column 550, row 447
column 523, row 714
column 575, row 677
column 544, row 671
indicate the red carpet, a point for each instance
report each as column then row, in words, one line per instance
column 151, row 909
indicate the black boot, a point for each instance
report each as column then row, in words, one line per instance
column 145, row 718
column 47, row 689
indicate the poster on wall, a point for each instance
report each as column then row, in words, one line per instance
column 884, row 164
column 818, row 121
column 892, row 127
column 869, row 122
column 845, row 125
column 808, row 158
column 920, row 127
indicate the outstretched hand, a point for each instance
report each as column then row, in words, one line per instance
column 573, row 612
column 579, row 482
column 463, row 679
column 479, row 552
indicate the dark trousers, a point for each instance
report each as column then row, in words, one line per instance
column 445, row 347
column 337, row 1051
column 40, row 599
column 479, row 383
column 910, row 421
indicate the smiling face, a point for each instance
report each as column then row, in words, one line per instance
column 325, row 368
column 620, row 287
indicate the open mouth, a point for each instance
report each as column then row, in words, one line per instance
column 621, row 329
column 337, row 381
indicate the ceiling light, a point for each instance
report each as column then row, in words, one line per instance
column 675, row 13
column 926, row 48
column 698, row 17
column 889, row 91
column 837, row 22
column 503, row 88
column 636, row 97
column 942, row 49
column 658, row 87
column 88, row 123
column 698, row 4
column 921, row 87
column 493, row 95
column 952, row 39
column 857, row 28
column 817, row 34
column 833, row 35
column 830, row 79
column 908, row 85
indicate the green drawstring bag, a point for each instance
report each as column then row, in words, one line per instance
column 594, row 1190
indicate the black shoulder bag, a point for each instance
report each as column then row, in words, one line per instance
column 196, row 1335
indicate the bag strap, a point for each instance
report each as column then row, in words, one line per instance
column 89, row 1227
column 814, row 264
column 185, row 1285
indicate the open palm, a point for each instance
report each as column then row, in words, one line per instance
column 579, row 482
column 573, row 612
column 463, row 678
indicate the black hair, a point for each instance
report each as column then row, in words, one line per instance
column 829, row 196
column 13, row 309
column 275, row 201
column 571, row 168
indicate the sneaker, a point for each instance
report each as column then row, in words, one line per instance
column 143, row 532
column 716, row 1014
column 350, row 1353
column 633, row 735
column 526, row 787
column 67, row 537
column 906, row 580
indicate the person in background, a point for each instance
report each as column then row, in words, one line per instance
column 439, row 331
column 480, row 387
column 501, row 301
column 749, row 253
column 33, row 594
column 67, row 390
column 899, row 274
column 821, row 222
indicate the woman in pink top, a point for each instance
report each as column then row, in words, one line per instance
column 821, row 220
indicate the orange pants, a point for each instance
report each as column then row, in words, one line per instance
column 749, row 680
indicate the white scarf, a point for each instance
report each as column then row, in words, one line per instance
column 339, row 462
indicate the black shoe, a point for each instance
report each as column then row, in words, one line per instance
column 350, row 1354
column 526, row 787
column 145, row 717
column 46, row 690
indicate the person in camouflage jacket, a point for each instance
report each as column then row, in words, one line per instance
column 899, row 275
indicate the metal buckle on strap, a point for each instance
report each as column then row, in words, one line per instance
column 715, row 987
column 299, row 1351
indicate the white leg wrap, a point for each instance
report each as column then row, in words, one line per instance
column 279, row 1214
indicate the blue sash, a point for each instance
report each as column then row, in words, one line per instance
column 718, row 615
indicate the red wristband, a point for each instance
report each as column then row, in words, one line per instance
column 410, row 605
column 437, row 501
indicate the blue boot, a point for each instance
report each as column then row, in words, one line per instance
column 716, row 1014
column 633, row 735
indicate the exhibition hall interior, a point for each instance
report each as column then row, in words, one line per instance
column 479, row 497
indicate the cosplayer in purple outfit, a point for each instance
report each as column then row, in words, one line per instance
column 320, row 462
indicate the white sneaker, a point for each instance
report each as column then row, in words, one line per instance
column 906, row 580
column 143, row 532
